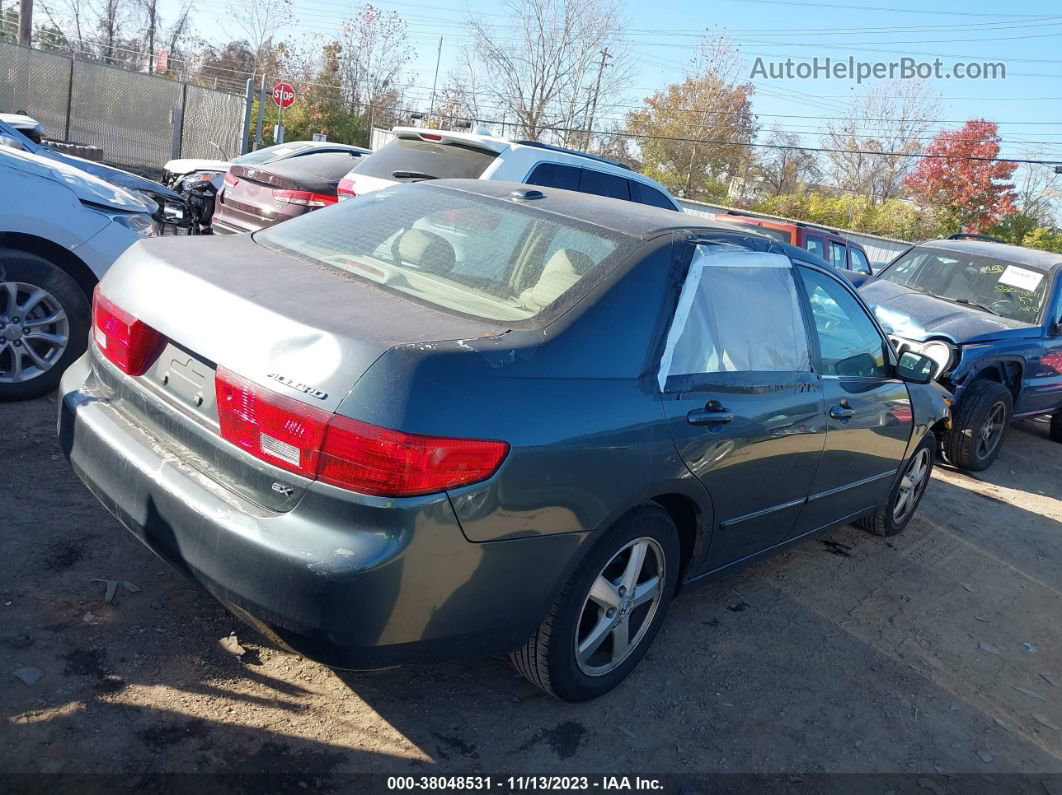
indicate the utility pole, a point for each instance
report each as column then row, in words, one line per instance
column 589, row 121
column 438, row 57
column 25, row 22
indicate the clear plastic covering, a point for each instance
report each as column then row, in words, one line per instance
column 738, row 311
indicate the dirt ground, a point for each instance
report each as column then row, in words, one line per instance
column 937, row 651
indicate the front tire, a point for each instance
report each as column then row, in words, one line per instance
column 44, row 324
column 906, row 494
column 608, row 614
column 981, row 422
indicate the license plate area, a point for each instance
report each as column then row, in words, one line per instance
column 186, row 381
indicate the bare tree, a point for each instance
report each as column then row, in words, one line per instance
column 785, row 168
column 259, row 21
column 1039, row 188
column 112, row 16
column 542, row 69
column 375, row 53
column 892, row 116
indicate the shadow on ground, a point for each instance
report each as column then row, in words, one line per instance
column 934, row 651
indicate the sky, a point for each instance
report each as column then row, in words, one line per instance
column 1024, row 36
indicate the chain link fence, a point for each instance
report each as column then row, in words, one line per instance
column 136, row 119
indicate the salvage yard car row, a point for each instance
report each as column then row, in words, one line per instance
column 492, row 415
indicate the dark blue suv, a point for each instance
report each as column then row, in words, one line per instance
column 989, row 315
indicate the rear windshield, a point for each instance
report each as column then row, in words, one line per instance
column 426, row 160
column 271, row 153
column 489, row 258
column 996, row 286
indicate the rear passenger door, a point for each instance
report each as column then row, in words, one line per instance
column 744, row 408
column 868, row 408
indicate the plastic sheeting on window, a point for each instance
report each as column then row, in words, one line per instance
column 738, row 311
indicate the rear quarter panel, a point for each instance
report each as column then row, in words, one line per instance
column 576, row 401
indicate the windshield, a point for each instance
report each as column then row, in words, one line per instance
column 414, row 159
column 489, row 258
column 996, row 286
column 271, row 153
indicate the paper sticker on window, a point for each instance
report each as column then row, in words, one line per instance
column 1021, row 278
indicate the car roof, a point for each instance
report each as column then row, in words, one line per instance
column 498, row 144
column 1005, row 251
column 618, row 215
column 317, row 165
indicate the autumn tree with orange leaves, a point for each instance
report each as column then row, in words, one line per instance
column 962, row 180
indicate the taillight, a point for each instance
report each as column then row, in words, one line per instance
column 281, row 430
column 231, row 181
column 430, row 137
column 388, row 463
column 130, row 344
column 343, row 452
column 303, row 198
column 345, row 189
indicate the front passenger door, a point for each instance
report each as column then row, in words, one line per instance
column 868, row 409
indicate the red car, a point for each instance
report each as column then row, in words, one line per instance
column 843, row 254
column 254, row 197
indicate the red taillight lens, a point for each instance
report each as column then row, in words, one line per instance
column 346, row 188
column 131, row 345
column 346, row 453
column 303, row 198
column 389, row 463
column 430, row 137
column 285, row 432
column 231, row 181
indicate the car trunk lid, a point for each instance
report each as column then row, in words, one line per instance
column 303, row 332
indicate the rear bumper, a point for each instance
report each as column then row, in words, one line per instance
column 350, row 581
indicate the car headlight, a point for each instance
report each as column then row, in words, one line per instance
column 144, row 225
column 941, row 353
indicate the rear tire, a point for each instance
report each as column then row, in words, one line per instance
column 1056, row 426
column 980, row 425
column 580, row 618
column 894, row 516
column 44, row 324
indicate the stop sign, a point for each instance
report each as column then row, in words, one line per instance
column 283, row 94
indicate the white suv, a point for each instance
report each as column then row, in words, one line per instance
column 418, row 154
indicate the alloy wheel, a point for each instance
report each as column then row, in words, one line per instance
column 620, row 607
column 912, row 484
column 34, row 331
column 991, row 433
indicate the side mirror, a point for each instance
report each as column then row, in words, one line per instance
column 7, row 140
column 1055, row 330
column 915, row 368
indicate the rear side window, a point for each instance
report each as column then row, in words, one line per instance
column 555, row 175
column 837, row 255
column 815, row 245
column 849, row 343
column 428, row 159
column 485, row 257
column 644, row 194
column 859, row 260
column 601, row 184
column 717, row 328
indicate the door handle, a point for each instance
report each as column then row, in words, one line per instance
column 842, row 412
column 713, row 413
